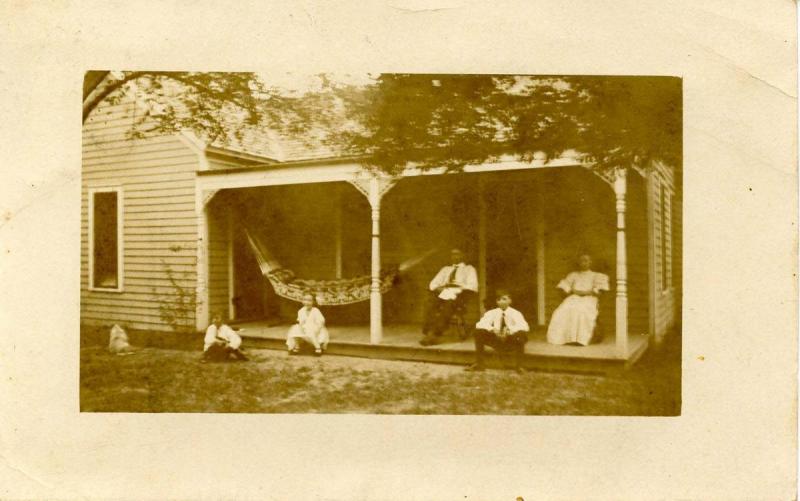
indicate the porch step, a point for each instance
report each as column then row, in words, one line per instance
column 432, row 354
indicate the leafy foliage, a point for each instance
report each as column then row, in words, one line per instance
column 426, row 120
column 177, row 307
column 630, row 120
column 218, row 106
column 455, row 120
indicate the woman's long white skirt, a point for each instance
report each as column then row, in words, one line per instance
column 295, row 332
column 573, row 321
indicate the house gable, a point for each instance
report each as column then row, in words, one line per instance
column 155, row 179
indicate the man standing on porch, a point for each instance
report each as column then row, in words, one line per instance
column 451, row 288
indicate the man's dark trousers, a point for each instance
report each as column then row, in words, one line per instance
column 514, row 344
column 439, row 312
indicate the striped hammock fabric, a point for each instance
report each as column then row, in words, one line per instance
column 327, row 292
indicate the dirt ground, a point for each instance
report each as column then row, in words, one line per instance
column 158, row 379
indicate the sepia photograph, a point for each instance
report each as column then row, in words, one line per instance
column 381, row 243
column 399, row 250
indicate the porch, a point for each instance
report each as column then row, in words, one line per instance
column 401, row 342
column 521, row 225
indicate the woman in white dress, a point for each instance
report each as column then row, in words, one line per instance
column 575, row 318
column 310, row 327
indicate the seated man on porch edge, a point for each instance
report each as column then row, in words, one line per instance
column 502, row 328
column 451, row 288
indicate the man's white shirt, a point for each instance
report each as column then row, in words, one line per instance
column 514, row 320
column 466, row 278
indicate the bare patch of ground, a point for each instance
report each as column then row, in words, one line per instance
column 173, row 380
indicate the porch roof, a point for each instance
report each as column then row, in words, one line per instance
column 344, row 168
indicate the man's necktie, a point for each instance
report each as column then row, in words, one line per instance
column 452, row 277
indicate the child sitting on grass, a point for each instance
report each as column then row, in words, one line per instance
column 221, row 342
column 310, row 327
column 502, row 328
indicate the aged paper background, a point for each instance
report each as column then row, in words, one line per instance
column 736, row 437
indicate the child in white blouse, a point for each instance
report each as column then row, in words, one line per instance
column 221, row 342
column 310, row 327
column 502, row 328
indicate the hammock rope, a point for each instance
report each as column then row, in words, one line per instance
column 327, row 292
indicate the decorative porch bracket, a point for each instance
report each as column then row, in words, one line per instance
column 609, row 176
column 374, row 188
column 208, row 195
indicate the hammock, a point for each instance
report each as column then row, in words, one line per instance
column 327, row 292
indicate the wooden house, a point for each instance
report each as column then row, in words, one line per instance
column 165, row 221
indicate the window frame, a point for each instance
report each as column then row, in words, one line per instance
column 120, row 242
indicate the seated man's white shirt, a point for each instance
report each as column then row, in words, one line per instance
column 225, row 333
column 466, row 278
column 514, row 320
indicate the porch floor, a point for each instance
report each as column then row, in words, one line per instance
column 401, row 342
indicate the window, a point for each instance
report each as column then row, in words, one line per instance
column 105, row 239
column 666, row 239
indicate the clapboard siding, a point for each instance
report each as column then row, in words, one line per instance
column 144, row 293
column 218, row 164
column 160, row 222
column 132, row 171
column 156, row 176
column 149, row 191
column 156, row 186
column 130, row 303
column 218, row 295
column 144, row 268
column 133, row 319
column 636, row 240
column 664, row 284
column 109, row 147
column 677, row 248
column 165, row 154
column 142, row 198
column 147, row 255
column 144, row 150
column 154, row 292
column 148, row 258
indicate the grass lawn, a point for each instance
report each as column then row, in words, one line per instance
column 171, row 379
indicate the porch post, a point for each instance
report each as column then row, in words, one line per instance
column 481, row 245
column 201, row 290
column 620, row 188
column 231, row 282
column 375, row 303
column 541, row 319
column 338, row 233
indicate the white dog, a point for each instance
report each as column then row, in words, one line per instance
column 118, row 341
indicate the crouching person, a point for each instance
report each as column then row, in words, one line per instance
column 221, row 342
column 502, row 328
column 310, row 327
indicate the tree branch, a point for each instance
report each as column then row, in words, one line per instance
column 107, row 90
